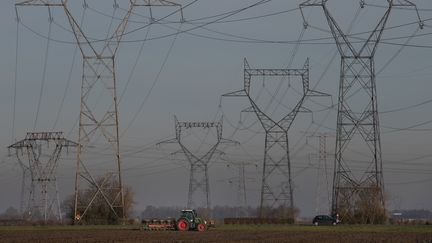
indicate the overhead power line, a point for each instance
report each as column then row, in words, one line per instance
column 242, row 39
column 45, row 67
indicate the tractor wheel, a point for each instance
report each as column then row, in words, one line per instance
column 182, row 225
column 201, row 227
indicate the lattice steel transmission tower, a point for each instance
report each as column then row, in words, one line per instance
column 241, row 190
column 277, row 185
column 242, row 204
column 26, row 186
column 322, row 193
column 43, row 151
column 199, row 178
column 357, row 120
column 99, row 125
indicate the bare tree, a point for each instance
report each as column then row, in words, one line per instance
column 100, row 212
column 365, row 208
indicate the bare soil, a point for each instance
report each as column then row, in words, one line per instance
column 214, row 235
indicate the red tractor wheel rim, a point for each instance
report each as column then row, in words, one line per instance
column 201, row 227
column 182, row 225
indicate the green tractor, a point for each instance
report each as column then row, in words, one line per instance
column 189, row 220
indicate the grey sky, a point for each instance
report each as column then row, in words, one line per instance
column 200, row 69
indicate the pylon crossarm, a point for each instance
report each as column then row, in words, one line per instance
column 46, row 3
column 408, row 4
column 158, row 3
column 275, row 72
column 18, row 145
column 32, row 137
column 336, row 31
column 310, row 3
column 198, row 124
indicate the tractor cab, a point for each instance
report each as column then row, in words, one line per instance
column 188, row 214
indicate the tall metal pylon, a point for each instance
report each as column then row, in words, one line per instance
column 322, row 188
column 241, row 191
column 277, row 185
column 26, row 186
column 357, row 120
column 242, row 203
column 42, row 150
column 198, row 176
column 98, row 125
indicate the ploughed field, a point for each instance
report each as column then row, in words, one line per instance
column 223, row 233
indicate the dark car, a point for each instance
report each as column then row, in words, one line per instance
column 324, row 220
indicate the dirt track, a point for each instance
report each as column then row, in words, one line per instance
column 64, row 236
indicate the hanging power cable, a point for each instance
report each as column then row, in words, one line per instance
column 15, row 76
column 153, row 84
column 409, row 128
column 69, row 77
column 397, row 52
column 243, row 39
column 132, row 72
column 45, row 67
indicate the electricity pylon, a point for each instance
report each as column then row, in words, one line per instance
column 322, row 193
column 242, row 204
column 241, row 191
column 98, row 125
column 25, row 186
column 42, row 150
column 199, row 178
column 277, row 185
column 357, row 120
